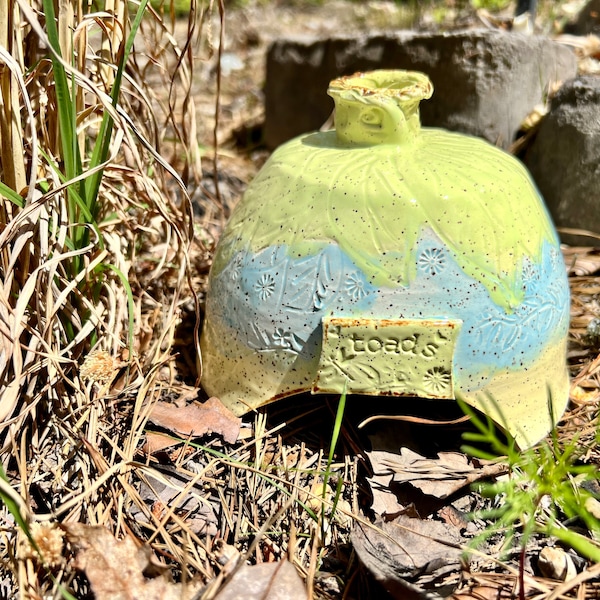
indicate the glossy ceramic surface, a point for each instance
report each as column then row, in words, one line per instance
column 435, row 245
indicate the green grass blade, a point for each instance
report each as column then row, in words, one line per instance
column 337, row 427
column 101, row 148
column 582, row 545
column 67, row 122
column 337, row 496
column 66, row 109
column 130, row 303
column 7, row 497
column 75, row 198
column 11, row 195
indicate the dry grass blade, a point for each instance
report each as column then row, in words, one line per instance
column 587, row 575
column 11, row 131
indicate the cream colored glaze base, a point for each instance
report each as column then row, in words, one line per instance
column 521, row 393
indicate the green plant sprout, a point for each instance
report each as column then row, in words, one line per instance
column 543, row 488
column 83, row 198
column 337, row 426
column 492, row 5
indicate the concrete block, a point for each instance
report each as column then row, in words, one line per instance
column 564, row 158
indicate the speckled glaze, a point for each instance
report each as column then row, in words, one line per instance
column 384, row 220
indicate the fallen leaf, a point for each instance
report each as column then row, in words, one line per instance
column 266, row 581
column 161, row 490
column 226, row 555
column 115, row 568
column 385, row 501
column 454, row 517
column 157, row 442
column 196, row 420
column 410, row 557
column 581, row 261
column 440, row 477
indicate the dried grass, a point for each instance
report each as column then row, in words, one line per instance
column 87, row 330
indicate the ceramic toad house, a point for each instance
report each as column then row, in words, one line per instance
column 386, row 258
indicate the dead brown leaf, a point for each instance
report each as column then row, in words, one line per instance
column 410, row 557
column 581, row 261
column 170, row 488
column 157, row 442
column 385, row 501
column 196, row 420
column 454, row 517
column 440, row 477
column 115, row 568
column 265, row 581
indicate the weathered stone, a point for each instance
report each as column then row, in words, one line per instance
column 564, row 158
column 587, row 21
column 486, row 82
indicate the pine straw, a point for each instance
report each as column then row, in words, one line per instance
column 74, row 405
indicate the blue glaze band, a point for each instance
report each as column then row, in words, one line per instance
column 278, row 302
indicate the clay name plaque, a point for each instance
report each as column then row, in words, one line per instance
column 386, row 356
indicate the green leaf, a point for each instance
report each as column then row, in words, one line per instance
column 578, row 542
column 11, row 195
column 67, row 118
column 130, row 302
column 14, row 502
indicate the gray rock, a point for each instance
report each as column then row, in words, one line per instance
column 564, row 158
column 587, row 21
column 485, row 82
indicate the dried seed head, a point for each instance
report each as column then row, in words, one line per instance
column 49, row 540
column 99, row 366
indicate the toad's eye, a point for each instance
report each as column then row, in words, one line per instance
column 372, row 117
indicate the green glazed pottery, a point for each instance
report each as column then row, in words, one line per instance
column 390, row 259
